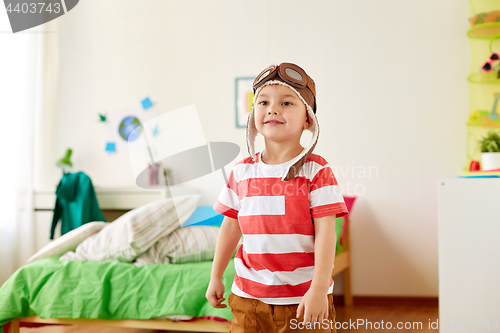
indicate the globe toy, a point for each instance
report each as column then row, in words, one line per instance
column 127, row 127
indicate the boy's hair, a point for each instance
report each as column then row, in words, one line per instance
column 295, row 78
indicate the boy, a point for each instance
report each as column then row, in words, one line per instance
column 284, row 200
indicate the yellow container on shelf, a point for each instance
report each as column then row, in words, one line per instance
column 485, row 19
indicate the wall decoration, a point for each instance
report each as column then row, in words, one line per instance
column 146, row 103
column 244, row 98
column 110, row 147
column 120, row 126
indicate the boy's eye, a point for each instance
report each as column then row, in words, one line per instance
column 263, row 103
column 287, row 103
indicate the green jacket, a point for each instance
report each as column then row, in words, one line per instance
column 76, row 203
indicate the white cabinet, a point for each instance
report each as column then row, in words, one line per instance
column 469, row 255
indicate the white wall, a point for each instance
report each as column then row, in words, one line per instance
column 392, row 95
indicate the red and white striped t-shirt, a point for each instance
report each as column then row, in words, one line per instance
column 275, row 263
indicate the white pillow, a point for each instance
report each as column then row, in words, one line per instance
column 69, row 241
column 134, row 233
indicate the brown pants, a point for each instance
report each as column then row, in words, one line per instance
column 254, row 316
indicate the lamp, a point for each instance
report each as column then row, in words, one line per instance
column 64, row 163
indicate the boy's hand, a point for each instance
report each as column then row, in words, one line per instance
column 314, row 306
column 215, row 294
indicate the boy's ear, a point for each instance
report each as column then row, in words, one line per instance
column 308, row 122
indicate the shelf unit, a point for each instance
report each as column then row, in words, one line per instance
column 484, row 88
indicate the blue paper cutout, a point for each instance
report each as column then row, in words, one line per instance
column 155, row 131
column 110, row 147
column 146, row 103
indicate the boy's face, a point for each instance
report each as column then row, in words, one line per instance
column 280, row 115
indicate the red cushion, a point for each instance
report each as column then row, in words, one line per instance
column 349, row 201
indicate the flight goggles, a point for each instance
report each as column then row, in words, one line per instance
column 290, row 74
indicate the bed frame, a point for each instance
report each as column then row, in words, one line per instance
column 342, row 264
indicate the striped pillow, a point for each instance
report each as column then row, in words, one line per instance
column 186, row 244
column 135, row 232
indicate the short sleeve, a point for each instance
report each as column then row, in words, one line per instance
column 326, row 195
column 228, row 202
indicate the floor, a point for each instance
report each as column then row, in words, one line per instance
column 416, row 319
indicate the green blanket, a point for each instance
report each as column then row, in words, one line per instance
column 109, row 290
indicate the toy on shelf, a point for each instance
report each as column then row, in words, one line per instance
column 490, row 68
column 474, row 166
column 493, row 114
column 486, row 118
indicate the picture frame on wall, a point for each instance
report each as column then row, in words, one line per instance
column 244, row 99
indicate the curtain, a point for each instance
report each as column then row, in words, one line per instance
column 26, row 62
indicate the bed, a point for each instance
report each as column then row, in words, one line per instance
column 49, row 291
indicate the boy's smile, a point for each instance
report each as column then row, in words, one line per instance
column 273, row 122
column 280, row 115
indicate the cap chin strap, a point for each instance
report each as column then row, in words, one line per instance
column 300, row 159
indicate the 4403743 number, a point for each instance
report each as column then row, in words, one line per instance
column 34, row 8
